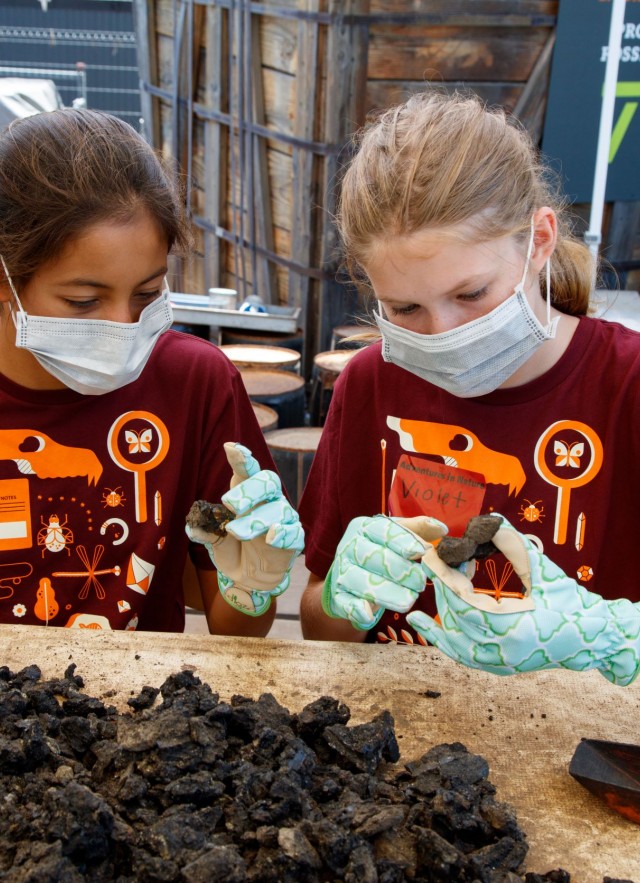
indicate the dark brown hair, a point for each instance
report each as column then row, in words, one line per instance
column 441, row 160
column 63, row 171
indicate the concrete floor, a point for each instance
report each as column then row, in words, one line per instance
column 615, row 306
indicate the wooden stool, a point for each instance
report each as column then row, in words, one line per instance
column 341, row 332
column 293, row 451
column 267, row 418
column 248, row 356
column 327, row 367
column 281, row 390
column 263, row 338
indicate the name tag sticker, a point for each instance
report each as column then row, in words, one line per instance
column 424, row 487
column 15, row 514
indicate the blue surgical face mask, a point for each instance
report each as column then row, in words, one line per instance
column 91, row 356
column 479, row 356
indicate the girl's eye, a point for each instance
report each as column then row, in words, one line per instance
column 149, row 295
column 474, row 295
column 403, row 311
column 81, row 304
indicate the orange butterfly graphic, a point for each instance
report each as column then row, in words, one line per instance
column 139, row 442
column 568, row 454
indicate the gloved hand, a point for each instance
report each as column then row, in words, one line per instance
column 559, row 624
column 255, row 557
column 377, row 566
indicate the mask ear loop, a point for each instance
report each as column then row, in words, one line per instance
column 547, row 269
column 548, row 275
column 529, row 253
column 13, row 292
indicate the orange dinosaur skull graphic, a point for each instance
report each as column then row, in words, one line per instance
column 460, row 448
column 35, row 453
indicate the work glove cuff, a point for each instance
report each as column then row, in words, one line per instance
column 622, row 664
column 245, row 600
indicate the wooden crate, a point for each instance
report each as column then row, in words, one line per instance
column 255, row 103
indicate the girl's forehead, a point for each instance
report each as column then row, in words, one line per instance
column 111, row 253
column 442, row 245
column 111, row 235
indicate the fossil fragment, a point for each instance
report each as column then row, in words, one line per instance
column 208, row 518
column 476, row 542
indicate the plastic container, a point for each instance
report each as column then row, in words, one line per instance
column 223, row 298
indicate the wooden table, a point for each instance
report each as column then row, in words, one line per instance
column 526, row 726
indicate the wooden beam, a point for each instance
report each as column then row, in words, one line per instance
column 531, row 105
column 144, row 19
column 186, row 65
column 454, row 52
column 267, row 277
column 216, row 144
column 477, row 13
column 304, row 189
column 344, row 112
column 382, row 94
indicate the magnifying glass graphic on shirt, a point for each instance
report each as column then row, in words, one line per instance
column 146, row 447
column 575, row 463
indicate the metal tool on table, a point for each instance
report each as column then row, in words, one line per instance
column 611, row 771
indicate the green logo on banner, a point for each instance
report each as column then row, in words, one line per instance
column 623, row 90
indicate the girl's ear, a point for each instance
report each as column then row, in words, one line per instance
column 5, row 288
column 5, row 291
column 545, row 236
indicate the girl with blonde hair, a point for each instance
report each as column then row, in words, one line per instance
column 490, row 390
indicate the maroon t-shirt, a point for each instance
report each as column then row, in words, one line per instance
column 94, row 490
column 559, row 457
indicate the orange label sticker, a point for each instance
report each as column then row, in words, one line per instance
column 424, row 487
column 15, row 514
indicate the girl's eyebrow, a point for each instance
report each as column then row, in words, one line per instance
column 92, row 283
column 471, row 283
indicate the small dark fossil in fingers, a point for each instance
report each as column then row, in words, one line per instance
column 210, row 517
column 476, row 542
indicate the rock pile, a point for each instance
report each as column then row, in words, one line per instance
column 186, row 787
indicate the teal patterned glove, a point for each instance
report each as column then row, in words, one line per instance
column 255, row 557
column 377, row 566
column 558, row 624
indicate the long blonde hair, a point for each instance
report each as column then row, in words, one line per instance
column 440, row 160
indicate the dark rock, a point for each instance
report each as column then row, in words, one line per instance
column 362, row 866
column 295, row 846
column 365, row 746
column 504, row 855
column 557, row 876
column 220, row 863
column 316, row 716
column 145, row 698
column 438, row 859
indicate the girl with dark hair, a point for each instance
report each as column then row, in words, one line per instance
column 112, row 424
